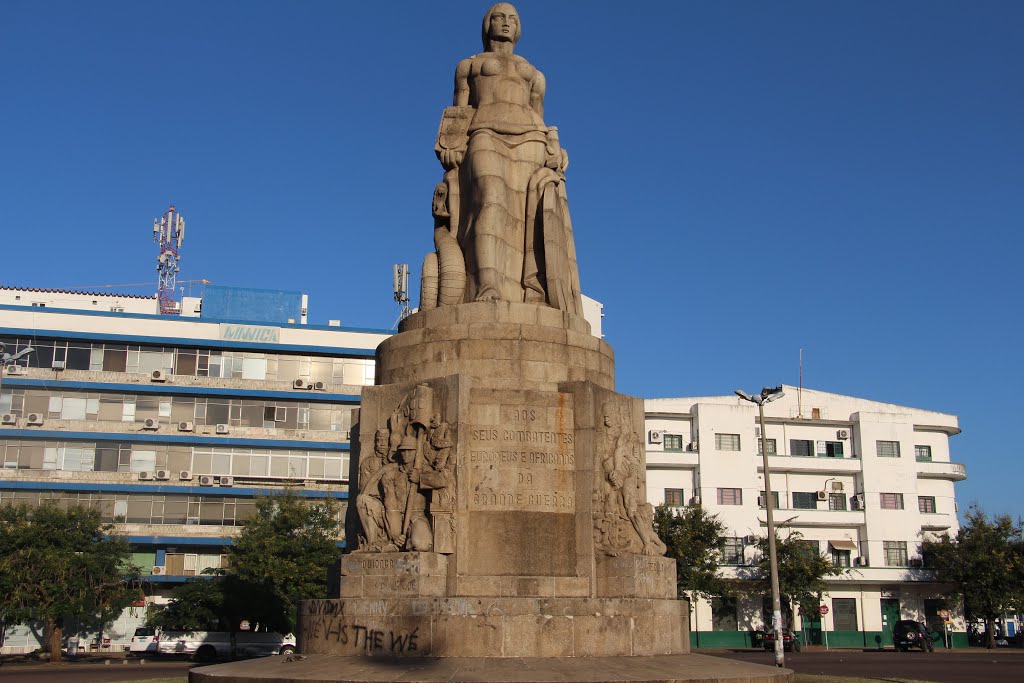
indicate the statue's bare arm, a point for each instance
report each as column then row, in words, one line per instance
column 461, row 98
column 537, row 90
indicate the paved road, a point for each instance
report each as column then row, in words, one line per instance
column 94, row 672
column 957, row 666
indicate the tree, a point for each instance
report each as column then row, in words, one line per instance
column 985, row 562
column 281, row 557
column 57, row 563
column 194, row 606
column 693, row 538
column 802, row 573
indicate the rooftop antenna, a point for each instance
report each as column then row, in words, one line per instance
column 800, row 389
column 169, row 233
column 401, row 281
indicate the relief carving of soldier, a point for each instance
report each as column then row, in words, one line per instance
column 409, row 478
column 624, row 498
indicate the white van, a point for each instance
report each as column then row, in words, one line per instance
column 208, row 645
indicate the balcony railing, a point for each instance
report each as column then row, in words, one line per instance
column 942, row 470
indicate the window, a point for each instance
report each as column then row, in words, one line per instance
column 892, row 501
column 923, row 453
column 837, row 501
column 841, row 558
column 895, row 553
column 844, row 614
column 772, row 450
column 775, row 500
column 727, row 442
column 801, row 447
column 732, row 550
column 730, row 496
column 674, row 497
column 723, row 614
column 805, row 500
column 673, row 442
column 926, row 504
column 888, row 449
column 830, row 449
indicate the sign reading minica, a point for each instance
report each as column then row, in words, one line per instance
column 250, row 333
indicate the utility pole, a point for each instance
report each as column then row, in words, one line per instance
column 767, row 395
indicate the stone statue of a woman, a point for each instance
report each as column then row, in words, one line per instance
column 506, row 204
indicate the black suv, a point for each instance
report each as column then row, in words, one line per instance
column 907, row 634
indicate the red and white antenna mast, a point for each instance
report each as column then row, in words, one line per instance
column 169, row 233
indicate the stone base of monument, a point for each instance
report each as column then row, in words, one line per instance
column 688, row 668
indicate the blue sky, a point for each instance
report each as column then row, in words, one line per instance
column 747, row 178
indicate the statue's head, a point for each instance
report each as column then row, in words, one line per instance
column 501, row 23
column 380, row 441
column 407, row 450
column 611, row 414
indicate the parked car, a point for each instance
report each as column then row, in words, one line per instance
column 907, row 634
column 208, row 645
column 790, row 641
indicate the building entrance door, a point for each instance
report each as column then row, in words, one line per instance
column 811, row 627
column 890, row 615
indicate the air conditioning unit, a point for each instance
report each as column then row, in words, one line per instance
column 163, row 475
column 57, row 365
column 15, row 370
column 693, row 446
column 855, row 502
column 151, row 424
column 750, row 539
column 300, row 384
column 186, row 427
column 656, row 436
column 146, row 476
column 757, row 432
column 916, row 562
column 320, row 386
column 35, row 419
column 223, row 429
column 206, row 480
column 822, row 495
column 761, row 501
column 227, row 481
column 9, row 419
column 860, row 562
column 185, row 475
column 158, row 376
column 191, row 520
column 837, row 486
column 843, row 434
column 695, row 500
column 159, row 570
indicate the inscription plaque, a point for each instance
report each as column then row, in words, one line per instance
column 526, row 463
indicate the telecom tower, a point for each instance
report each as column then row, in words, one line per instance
column 169, row 233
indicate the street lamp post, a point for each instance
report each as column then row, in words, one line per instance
column 767, row 395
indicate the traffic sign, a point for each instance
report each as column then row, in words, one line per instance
column 944, row 613
column 823, row 610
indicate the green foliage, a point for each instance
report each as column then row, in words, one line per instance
column 281, row 557
column 195, row 606
column 692, row 537
column 802, row 572
column 61, row 562
column 985, row 563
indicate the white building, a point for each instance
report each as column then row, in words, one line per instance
column 862, row 480
column 171, row 425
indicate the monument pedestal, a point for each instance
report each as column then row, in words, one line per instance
column 533, row 550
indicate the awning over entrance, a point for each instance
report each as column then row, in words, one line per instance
column 843, row 544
